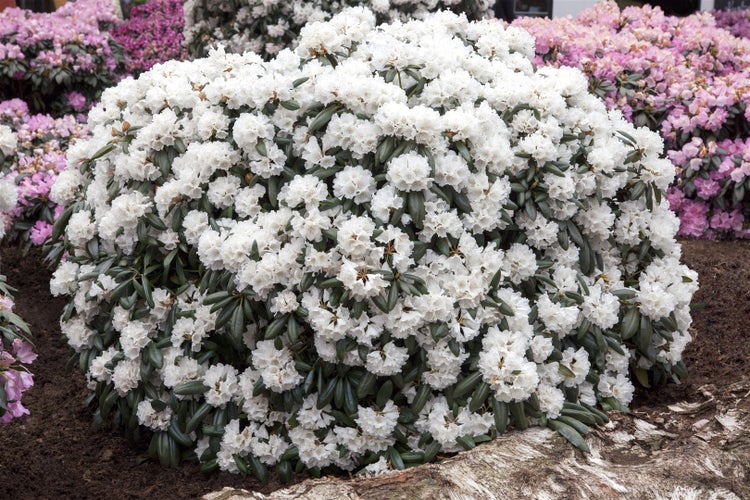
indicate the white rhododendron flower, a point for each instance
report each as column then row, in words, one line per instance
column 395, row 237
column 155, row 420
column 221, row 381
column 133, row 338
column 620, row 387
column 99, row 369
column 551, row 400
column 80, row 228
column 8, row 140
column 66, row 186
column 409, row 172
column 126, row 376
column 8, row 195
column 275, row 366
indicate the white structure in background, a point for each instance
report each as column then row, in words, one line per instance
column 562, row 8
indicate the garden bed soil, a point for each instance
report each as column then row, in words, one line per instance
column 54, row 453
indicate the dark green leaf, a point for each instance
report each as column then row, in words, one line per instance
column 569, row 433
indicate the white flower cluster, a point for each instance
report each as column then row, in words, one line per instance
column 333, row 259
column 8, row 141
column 268, row 26
column 8, row 194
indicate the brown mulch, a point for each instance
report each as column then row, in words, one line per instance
column 54, row 453
column 720, row 351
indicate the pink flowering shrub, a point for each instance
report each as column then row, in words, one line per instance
column 684, row 77
column 710, row 192
column 61, row 61
column 152, row 34
column 735, row 21
column 15, row 353
column 33, row 155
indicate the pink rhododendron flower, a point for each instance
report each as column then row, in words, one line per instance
column 14, row 375
column 39, row 157
column 152, row 35
column 40, row 232
column 6, row 303
column 693, row 218
column 23, row 351
column 706, row 188
column 76, row 100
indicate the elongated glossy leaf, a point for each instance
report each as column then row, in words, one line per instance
column 384, row 393
column 583, row 416
column 569, row 433
column 466, row 442
column 479, row 396
column 191, row 388
column 180, row 437
column 3, row 400
column 197, row 418
column 579, row 426
column 366, row 385
column 420, row 399
column 258, row 469
column 155, row 356
column 431, row 451
column 322, row 118
column 642, row 376
column 326, row 395
column 415, row 202
column 645, row 335
column 467, row 384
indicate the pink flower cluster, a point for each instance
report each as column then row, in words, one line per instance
column 735, row 21
column 38, row 159
column 709, row 194
column 686, row 78
column 15, row 378
column 152, row 34
column 43, row 57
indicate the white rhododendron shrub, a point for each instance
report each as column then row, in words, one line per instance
column 267, row 26
column 397, row 247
